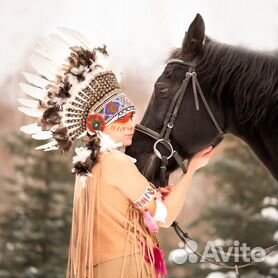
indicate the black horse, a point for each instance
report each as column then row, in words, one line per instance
column 240, row 87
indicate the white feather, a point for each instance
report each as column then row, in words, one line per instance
column 84, row 180
column 44, row 67
column 103, row 61
column 107, row 143
column 33, row 91
column 82, row 135
column 161, row 211
column 55, row 57
column 56, row 54
column 46, row 46
column 58, row 41
column 47, row 145
column 73, row 38
column 31, row 112
column 36, row 80
column 28, row 102
column 42, row 135
column 54, row 148
column 31, row 129
column 81, row 154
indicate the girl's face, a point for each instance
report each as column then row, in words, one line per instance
column 122, row 130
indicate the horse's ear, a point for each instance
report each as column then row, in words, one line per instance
column 193, row 41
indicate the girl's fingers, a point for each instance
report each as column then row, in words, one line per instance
column 164, row 190
column 205, row 151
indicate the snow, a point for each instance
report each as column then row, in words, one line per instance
column 219, row 242
column 270, row 213
column 272, row 260
column 275, row 237
column 270, row 201
column 178, row 256
column 217, row 274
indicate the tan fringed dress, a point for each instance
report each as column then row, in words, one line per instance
column 108, row 237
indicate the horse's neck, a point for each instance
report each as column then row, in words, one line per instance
column 261, row 136
column 264, row 143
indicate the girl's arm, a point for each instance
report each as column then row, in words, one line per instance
column 120, row 171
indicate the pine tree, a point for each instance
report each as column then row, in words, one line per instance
column 35, row 230
column 244, row 189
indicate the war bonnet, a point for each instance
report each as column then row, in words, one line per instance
column 73, row 93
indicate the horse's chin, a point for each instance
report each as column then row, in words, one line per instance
column 148, row 166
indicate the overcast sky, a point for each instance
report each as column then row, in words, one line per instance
column 139, row 34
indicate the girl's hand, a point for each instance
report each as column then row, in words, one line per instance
column 201, row 159
column 165, row 191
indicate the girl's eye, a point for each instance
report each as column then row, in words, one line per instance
column 125, row 118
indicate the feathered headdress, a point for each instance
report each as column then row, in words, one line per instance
column 74, row 92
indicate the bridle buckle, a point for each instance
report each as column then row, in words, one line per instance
column 165, row 142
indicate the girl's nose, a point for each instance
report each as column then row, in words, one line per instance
column 130, row 124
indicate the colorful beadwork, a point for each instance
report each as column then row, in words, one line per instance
column 146, row 197
column 95, row 122
column 114, row 107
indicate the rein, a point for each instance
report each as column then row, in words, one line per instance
column 163, row 138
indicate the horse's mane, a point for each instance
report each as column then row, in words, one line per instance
column 250, row 75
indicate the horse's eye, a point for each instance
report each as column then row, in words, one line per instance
column 161, row 88
column 164, row 90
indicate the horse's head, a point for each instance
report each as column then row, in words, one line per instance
column 193, row 130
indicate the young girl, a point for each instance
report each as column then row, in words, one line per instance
column 116, row 211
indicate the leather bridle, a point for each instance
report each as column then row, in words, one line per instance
column 169, row 122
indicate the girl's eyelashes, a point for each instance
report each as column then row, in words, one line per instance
column 125, row 118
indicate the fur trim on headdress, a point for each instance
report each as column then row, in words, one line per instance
column 87, row 157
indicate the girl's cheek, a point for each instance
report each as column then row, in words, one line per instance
column 118, row 127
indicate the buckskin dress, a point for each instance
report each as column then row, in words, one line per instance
column 108, row 238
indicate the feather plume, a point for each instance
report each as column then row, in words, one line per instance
column 47, row 145
column 58, row 41
column 29, row 102
column 36, row 80
column 160, row 212
column 81, row 155
column 56, row 57
column 150, row 222
column 33, row 91
column 31, row 112
column 107, row 143
column 56, row 54
column 43, row 135
column 74, row 38
column 31, row 129
column 45, row 46
column 54, row 148
column 44, row 67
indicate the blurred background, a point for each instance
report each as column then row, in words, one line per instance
column 234, row 198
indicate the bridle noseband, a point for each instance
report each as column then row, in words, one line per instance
column 169, row 122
